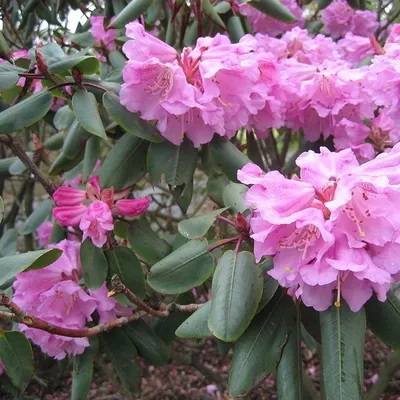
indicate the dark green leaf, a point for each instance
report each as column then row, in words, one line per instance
column 85, row 108
column 236, row 291
column 75, row 140
column 117, row 60
column 289, row 375
column 8, row 243
column 235, row 28
column 228, row 157
column 384, row 319
column 187, row 267
column 125, row 164
column 39, row 215
column 26, row 112
column 8, row 79
column 54, row 142
column 17, row 358
column 12, row 265
column 211, row 13
column 82, row 375
column 323, row 4
column 87, row 65
column 233, row 196
column 126, row 265
column 274, row 9
column 177, row 163
column 92, row 154
column 123, row 357
column 145, row 242
column 216, row 184
column 148, row 344
column 258, row 350
column 52, row 53
column 270, row 285
column 343, row 338
column 196, row 227
column 131, row 12
column 94, row 265
column 310, row 321
column 196, row 326
column 64, row 118
column 131, row 122
column 18, row 167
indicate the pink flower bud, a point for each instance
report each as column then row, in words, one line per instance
column 69, row 216
column 68, row 196
column 132, row 207
column 96, row 222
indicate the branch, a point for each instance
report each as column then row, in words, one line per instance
column 18, row 315
column 33, row 168
column 165, row 309
column 391, row 364
column 223, row 242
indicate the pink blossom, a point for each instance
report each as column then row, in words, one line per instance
column 69, row 215
column 262, row 23
column 132, row 207
column 339, row 18
column 107, row 307
column 96, row 222
column 44, row 231
column 106, row 37
column 340, row 239
column 394, row 35
column 68, row 196
column 355, row 48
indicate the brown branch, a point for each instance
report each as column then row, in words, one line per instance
column 223, row 242
column 20, row 316
column 33, row 168
column 119, row 288
column 226, row 220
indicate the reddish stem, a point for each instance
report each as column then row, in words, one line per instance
column 223, row 242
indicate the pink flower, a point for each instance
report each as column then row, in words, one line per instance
column 107, row 307
column 96, row 222
column 339, row 18
column 145, row 46
column 394, row 35
column 132, row 207
column 355, row 48
column 341, row 237
column 106, row 37
column 55, row 345
column 68, row 196
column 44, row 231
column 69, row 215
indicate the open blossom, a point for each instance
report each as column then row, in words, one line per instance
column 92, row 210
column 336, row 235
column 339, row 18
column 105, row 37
column 44, row 231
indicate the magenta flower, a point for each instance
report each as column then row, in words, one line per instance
column 92, row 209
column 107, row 307
column 96, row 222
column 339, row 18
column 337, row 234
column 44, row 231
column 354, row 49
column 394, row 35
column 105, row 37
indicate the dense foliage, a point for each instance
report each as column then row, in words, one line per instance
column 194, row 169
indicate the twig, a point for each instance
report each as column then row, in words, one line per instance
column 165, row 309
column 391, row 364
column 33, row 168
column 18, row 315
column 228, row 221
column 238, row 244
column 389, row 21
column 223, row 242
column 64, row 84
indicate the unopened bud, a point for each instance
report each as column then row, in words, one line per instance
column 241, row 223
column 41, row 62
column 77, row 75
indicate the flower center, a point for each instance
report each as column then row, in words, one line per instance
column 162, row 83
column 301, row 238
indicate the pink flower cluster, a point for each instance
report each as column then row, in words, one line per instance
column 339, row 18
column 92, row 210
column 53, row 294
column 312, row 85
column 262, row 23
column 334, row 231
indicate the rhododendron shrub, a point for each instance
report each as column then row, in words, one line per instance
column 227, row 170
